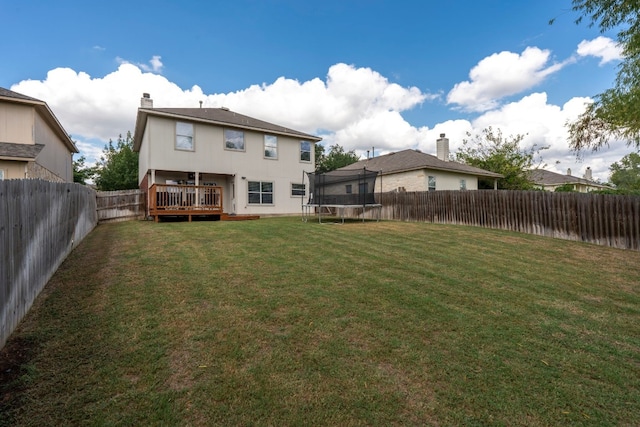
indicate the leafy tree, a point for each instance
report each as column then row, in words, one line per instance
column 118, row 166
column 493, row 152
column 565, row 188
column 319, row 155
column 336, row 158
column 615, row 113
column 625, row 174
column 81, row 172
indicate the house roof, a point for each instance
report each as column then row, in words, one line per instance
column 12, row 151
column 215, row 116
column 544, row 177
column 45, row 112
column 408, row 160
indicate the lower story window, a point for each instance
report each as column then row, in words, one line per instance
column 463, row 184
column 298, row 190
column 432, row 183
column 1, row 174
column 260, row 193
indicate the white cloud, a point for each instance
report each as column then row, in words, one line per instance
column 544, row 126
column 500, row 75
column 355, row 107
column 600, row 47
column 155, row 64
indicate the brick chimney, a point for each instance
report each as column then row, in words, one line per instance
column 146, row 101
column 442, row 147
column 569, row 171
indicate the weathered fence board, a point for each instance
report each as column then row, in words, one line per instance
column 123, row 205
column 40, row 223
column 602, row 219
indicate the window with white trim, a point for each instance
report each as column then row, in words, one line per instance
column 298, row 190
column 432, row 183
column 305, row 151
column 184, row 136
column 260, row 192
column 463, row 184
column 1, row 174
column 234, row 140
column 270, row 147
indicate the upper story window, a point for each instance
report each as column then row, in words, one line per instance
column 432, row 183
column 305, row 151
column 463, row 184
column 270, row 147
column 234, row 140
column 184, row 136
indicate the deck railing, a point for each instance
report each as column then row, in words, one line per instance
column 188, row 199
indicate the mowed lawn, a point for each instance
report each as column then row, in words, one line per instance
column 280, row 322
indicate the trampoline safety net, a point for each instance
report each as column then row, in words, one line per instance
column 342, row 187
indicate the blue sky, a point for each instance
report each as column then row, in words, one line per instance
column 376, row 73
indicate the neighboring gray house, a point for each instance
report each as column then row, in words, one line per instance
column 549, row 181
column 213, row 161
column 33, row 144
column 413, row 170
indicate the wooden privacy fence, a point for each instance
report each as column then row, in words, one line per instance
column 122, row 205
column 603, row 219
column 40, row 223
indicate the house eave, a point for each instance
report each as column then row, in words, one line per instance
column 143, row 114
column 442, row 169
column 45, row 112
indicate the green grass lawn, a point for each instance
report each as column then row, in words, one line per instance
column 280, row 322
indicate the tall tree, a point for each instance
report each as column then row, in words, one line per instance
column 615, row 113
column 625, row 175
column 81, row 172
column 493, row 152
column 336, row 159
column 319, row 155
column 118, row 166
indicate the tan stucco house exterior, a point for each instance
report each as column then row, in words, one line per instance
column 549, row 181
column 33, row 143
column 413, row 170
column 220, row 160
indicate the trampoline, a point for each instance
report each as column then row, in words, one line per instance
column 341, row 190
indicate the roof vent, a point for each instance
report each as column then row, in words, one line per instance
column 224, row 108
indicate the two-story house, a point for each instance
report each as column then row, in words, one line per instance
column 214, row 161
column 33, row 143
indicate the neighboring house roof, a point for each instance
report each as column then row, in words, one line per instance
column 43, row 109
column 9, row 150
column 214, row 116
column 547, row 178
column 408, row 160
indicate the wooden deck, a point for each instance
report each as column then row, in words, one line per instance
column 189, row 201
